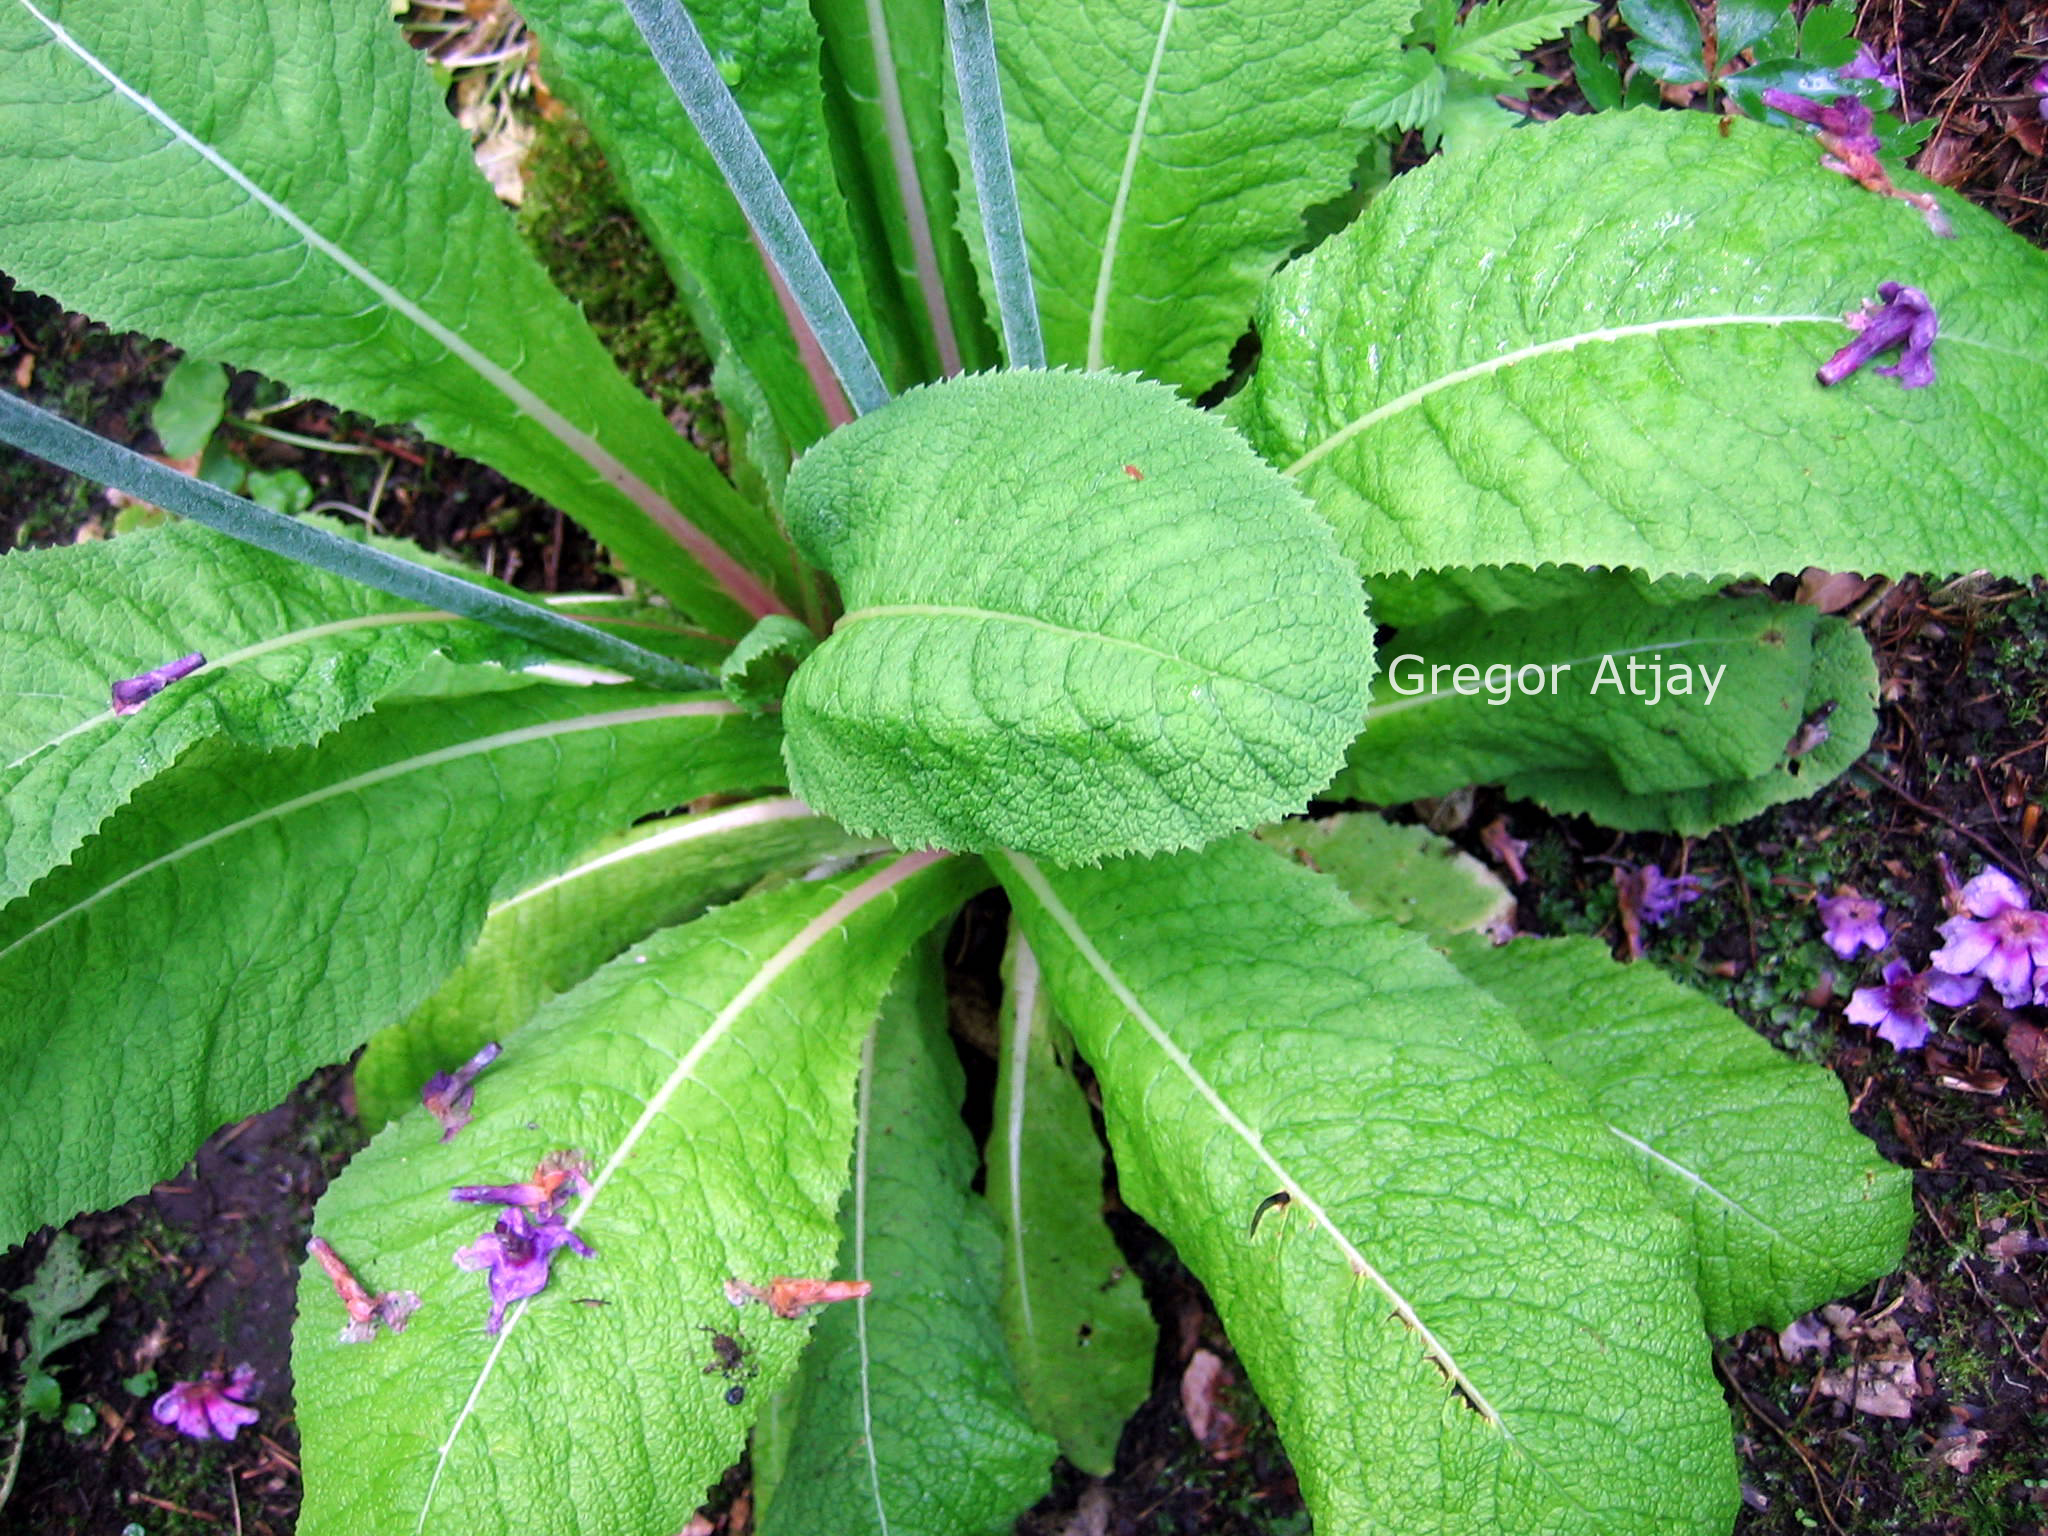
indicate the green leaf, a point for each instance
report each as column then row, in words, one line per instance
column 79, row 1419
column 1589, row 683
column 1840, row 707
column 291, row 653
column 1455, row 1211
column 1598, row 79
column 1739, row 24
column 254, row 915
column 1594, row 343
column 1164, row 153
column 41, row 1397
column 61, row 1286
column 769, row 51
column 1081, row 1335
column 1405, row 98
column 1495, row 32
column 757, row 672
column 889, row 61
column 279, row 185
column 550, row 936
column 907, row 1420
column 1788, row 1204
column 1667, row 40
column 1825, row 36
column 190, row 407
column 708, row 1075
column 1082, row 618
column 1407, row 875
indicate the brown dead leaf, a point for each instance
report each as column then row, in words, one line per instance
column 1091, row 1514
column 1947, row 157
column 1803, row 1336
column 2028, row 1049
column 1830, row 591
column 1201, row 1389
column 1962, row 1450
column 1961, row 1076
column 25, row 370
column 1885, row 1386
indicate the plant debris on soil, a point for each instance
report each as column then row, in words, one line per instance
column 1917, row 1407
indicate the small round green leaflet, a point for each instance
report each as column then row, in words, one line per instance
column 1083, row 619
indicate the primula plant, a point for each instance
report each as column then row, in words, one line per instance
column 984, row 601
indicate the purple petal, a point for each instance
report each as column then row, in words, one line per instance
column 131, row 693
column 1852, row 922
column 1953, row 991
column 449, row 1095
column 209, row 1408
column 1904, row 1032
column 1994, row 892
column 1905, row 320
column 1868, row 66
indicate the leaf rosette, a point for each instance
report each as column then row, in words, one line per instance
column 1082, row 619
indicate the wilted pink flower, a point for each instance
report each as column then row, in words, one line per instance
column 1868, row 66
column 366, row 1313
column 214, row 1407
column 131, row 693
column 1906, row 320
column 1852, row 922
column 1662, row 896
column 2001, row 940
column 559, row 1176
column 449, row 1095
column 1897, row 1008
column 517, row 1251
column 1846, row 124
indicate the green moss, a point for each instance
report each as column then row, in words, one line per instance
column 580, row 227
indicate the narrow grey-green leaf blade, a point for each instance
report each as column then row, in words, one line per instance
column 708, row 1076
column 291, row 653
column 550, row 936
column 1592, row 683
column 1456, row 1212
column 1081, row 1334
column 1594, row 342
column 276, row 183
column 769, row 51
column 907, row 1419
column 253, row 915
column 1164, row 153
column 1789, row 1205
column 1082, row 618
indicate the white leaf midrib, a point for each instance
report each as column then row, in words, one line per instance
column 1069, row 924
column 1105, row 272
column 863, row 1125
column 1022, row 999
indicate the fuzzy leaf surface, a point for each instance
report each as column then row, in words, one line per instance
column 276, row 183
column 907, row 1420
column 1594, row 342
column 1407, row 875
column 1164, row 152
column 291, row 653
column 548, row 937
column 1081, row 618
column 1789, row 1205
column 1081, row 1333
column 1455, row 1210
column 769, row 51
column 254, row 915
column 708, row 1076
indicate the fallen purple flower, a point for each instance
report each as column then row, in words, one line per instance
column 1868, row 66
column 517, row 1251
column 559, row 1175
column 2000, row 940
column 1846, row 124
column 214, row 1407
column 2039, row 86
column 1897, row 1008
column 448, row 1096
column 366, row 1313
column 1661, row 896
column 1852, row 922
column 131, row 693
column 1906, row 320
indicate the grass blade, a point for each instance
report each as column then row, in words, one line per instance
column 50, row 437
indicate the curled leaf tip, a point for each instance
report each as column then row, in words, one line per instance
column 131, row 693
column 1906, row 320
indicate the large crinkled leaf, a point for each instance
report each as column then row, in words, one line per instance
column 888, row 58
column 907, row 1420
column 1406, row 874
column 1594, row 342
column 276, row 183
column 550, row 936
column 708, row 1077
column 1788, row 1203
column 249, row 916
column 1667, row 701
column 1165, row 150
column 1472, row 1318
column 1081, row 618
column 1081, row 1334
column 1837, row 722
column 769, row 50
column 291, row 652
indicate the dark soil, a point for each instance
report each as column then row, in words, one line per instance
column 205, row 1266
